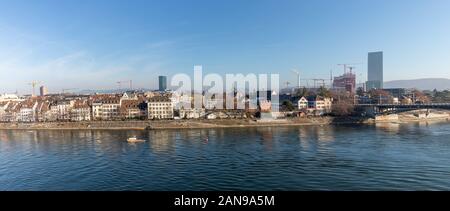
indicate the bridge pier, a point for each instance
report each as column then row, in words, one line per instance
column 389, row 117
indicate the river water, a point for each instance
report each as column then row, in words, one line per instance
column 352, row 157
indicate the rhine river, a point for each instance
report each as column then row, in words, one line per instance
column 354, row 157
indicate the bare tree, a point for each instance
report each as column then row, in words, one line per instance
column 420, row 97
column 343, row 108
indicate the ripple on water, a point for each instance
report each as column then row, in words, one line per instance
column 405, row 157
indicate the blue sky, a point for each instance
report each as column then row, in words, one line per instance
column 94, row 43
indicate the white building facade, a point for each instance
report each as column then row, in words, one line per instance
column 160, row 107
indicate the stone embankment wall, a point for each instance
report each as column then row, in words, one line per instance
column 166, row 124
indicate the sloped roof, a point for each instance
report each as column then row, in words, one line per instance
column 13, row 107
column 159, row 99
column 27, row 104
column 80, row 104
column 3, row 103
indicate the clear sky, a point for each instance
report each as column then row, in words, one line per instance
column 94, row 43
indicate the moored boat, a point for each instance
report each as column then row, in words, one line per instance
column 134, row 140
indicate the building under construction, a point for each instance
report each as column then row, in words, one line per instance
column 346, row 82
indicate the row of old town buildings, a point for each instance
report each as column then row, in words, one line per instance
column 133, row 105
column 85, row 107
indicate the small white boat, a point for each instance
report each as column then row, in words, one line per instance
column 134, row 140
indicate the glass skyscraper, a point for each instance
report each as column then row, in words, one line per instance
column 162, row 83
column 375, row 70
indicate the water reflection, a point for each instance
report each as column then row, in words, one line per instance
column 325, row 134
column 160, row 141
column 267, row 137
column 388, row 127
column 313, row 135
column 361, row 157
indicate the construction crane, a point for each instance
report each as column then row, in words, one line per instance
column 346, row 66
column 287, row 84
column 331, row 78
column 298, row 77
column 130, row 83
column 351, row 69
column 319, row 80
column 316, row 81
column 34, row 84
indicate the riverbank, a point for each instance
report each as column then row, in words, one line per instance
column 220, row 123
column 413, row 116
column 164, row 124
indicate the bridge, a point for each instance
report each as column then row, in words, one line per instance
column 398, row 108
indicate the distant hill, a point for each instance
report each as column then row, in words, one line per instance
column 421, row 84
